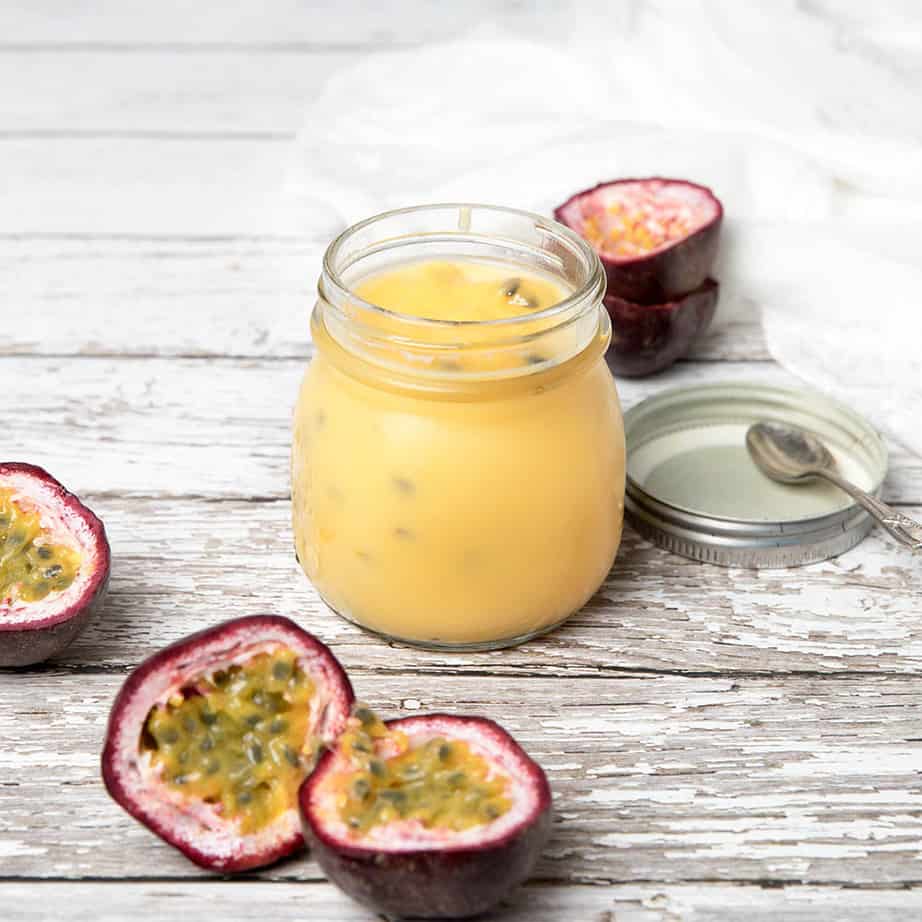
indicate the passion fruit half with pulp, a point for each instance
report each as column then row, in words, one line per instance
column 433, row 817
column 210, row 738
column 54, row 565
column 647, row 338
column 657, row 238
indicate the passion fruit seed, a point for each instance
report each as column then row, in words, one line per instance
column 404, row 485
column 520, row 295
column 281, row 670
column 366, row 716
column 209, row 741
column 31, row 566
column 440, row 783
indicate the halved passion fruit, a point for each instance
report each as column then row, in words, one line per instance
column 431, row 817
column 647, row 338
column 54, row 565
column 657, row 238
column 210, row 738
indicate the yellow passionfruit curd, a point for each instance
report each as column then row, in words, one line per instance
column 459, row 290
column 465, row 290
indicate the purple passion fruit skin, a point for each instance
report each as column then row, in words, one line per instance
column 54, row 565
column 447, row 848
column 647, row 338
column 657, row 238
column 204, row 744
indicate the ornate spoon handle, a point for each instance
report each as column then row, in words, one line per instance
column 907, row 531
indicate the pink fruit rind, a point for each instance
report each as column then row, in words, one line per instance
column 196, row 829
column 434, row 874
column 647, row 338
column 674, row 268
column 32, row 631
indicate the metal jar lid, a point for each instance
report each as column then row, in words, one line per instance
column 693, row 489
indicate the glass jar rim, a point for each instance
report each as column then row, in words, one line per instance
column 592, row 289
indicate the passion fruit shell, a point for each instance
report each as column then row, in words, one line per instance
column 42, row 608
column 657, row 238
column 647, row 338
column 198, row 827
column 403, row 868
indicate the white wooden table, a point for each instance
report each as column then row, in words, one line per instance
column 721, row 743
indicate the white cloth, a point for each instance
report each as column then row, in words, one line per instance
column 812, row 140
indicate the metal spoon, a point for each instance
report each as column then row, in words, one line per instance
column 792, row 455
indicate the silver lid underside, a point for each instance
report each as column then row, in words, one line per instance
column 684, row 465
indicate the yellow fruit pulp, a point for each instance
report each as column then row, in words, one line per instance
column 32, row 566
column 237, row 739
column 442, row 783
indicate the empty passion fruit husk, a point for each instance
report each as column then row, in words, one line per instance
column 435, row 816
column 210, row 738
column 54, row 565
column 657, row 238
column 647, row 338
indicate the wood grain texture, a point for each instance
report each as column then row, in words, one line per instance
column 246, row 900
column 160, row 427
column 181, row 565
column 656, row 778
column 202, row 298
column 205, row 298
column 316, row 25
column 172, row 92
column 149, row 186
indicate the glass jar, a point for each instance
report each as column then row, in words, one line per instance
column 458, row 484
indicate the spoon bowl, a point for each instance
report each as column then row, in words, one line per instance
column 786, row 453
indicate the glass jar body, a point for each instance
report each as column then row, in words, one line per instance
column 457, row 523
column 465, row 509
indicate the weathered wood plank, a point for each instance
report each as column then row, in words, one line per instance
column 736, row 341
column 291, row 24
column 181, row 565
column 222, row 429
column 229, row 92
column 193, row 298
column 656, row 777
column 183, row 297
column 247, row 900
column 149, row 186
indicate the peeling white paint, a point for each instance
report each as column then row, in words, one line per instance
column 17, row 849
column 624, row 795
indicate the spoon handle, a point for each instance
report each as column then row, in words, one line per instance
column 907, row 531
